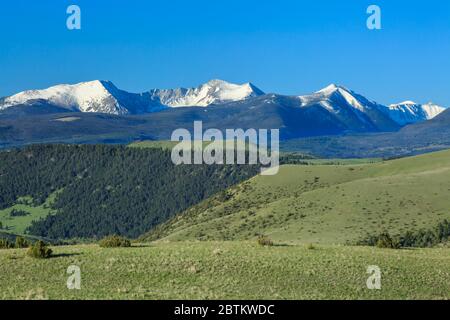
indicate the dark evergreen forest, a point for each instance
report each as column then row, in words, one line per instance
column 103, row 190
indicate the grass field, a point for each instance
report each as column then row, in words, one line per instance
column 226, row 270
column 169, row 145
column 163, row 144
column 343, row 161
column 327, row 204
column 18, row 225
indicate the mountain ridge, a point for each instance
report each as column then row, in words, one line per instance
column 101, row 96
column 54, row 115
column 409, row 112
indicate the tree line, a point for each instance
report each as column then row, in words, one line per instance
column 424, row 238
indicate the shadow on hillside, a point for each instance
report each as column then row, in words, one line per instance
column 64, row 255
column 141, row 245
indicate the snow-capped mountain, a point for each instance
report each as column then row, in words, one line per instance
column 90, row 96
column 104, row 97
column 212, row 92
column 41, row 115
column 409, row 112
column 339, row 105
column 334, row 98
column 356, row 111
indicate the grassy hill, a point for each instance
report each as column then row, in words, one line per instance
column 328, row 204
column 226, row 270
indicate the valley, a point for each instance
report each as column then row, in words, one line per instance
column 214, row 156
column 195, row 228
column 93, row 191
column 314, row 213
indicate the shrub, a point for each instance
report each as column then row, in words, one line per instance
column 18, row 213
column 5, row 244
column 21, row 243
column 386, row 241
column 310, row 246
column 114, row 242
column 40, row 250
column 418, row 239
column 265, row 241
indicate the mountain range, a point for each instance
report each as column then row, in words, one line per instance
column 99, row 112
column 104, row 97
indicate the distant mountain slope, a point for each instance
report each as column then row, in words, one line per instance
column 301, row 129
column 265, row 112
column 357, row 112
column 323, row 204
column 412, row 139
column 409, row 112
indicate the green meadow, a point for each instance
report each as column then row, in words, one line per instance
column 18, row 225
column 226, row 270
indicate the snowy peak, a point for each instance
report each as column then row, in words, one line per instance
column 331, row 89
column 350, row 108
column 328, row 92
column 105, row 97
column 344, row 105
column 212, row 92
column 409, row 112
column 338, row 99
column 92, row 96
column 334, row 97
column 432, row 110
column 336, row 90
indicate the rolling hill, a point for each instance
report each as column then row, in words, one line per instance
column 325, row 204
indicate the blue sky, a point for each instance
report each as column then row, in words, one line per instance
column 289, row 47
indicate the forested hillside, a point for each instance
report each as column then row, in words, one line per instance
column 98, row 190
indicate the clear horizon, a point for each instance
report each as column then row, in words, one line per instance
column 290, row 48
